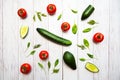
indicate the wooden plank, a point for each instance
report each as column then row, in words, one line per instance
column 101, row 16
column 1, row 41
column 55, row 50
column 28, row 5
column 10, row 40
column 82, row 5
column 71, row 18
column 114, row 40
column 40, row 6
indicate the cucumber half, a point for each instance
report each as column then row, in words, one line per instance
column 24, row 31
column 91, row 67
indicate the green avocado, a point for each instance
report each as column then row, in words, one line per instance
column 69, row 60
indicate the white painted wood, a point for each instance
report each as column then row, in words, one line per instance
column 1, row 43
column 40, row 5
column 101, row 50
column 55, row 50
column 28, row 5
column 10, row 40
column 71, row 18
column 114, row 41
column 83, row 53
column 12, row 47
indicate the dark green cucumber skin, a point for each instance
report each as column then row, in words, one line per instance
column 53, row 37
column 69, row 60
column 88, row 11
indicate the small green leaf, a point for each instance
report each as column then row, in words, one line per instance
column 34, row 18
column 74, row 29
column 82, row 59
column 49, row 64
column 44, row 15
column 59, row 17
column 28, row 44
column 32, row 52
column 40, row 65
column 74, row 11
column 56, row 63
column 81, row 46
column 86, row 43
column 39, row 16
column 36, row 46
column 91, row 22
column 90, row 55
column 55, row 70
column 87, row 30
column 38, row 12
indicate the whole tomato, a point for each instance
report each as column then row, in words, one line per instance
column 22, row 13
column 25, row 68
column 51, row 9
column 43, row 55
column 65, row 26
column 98, row 37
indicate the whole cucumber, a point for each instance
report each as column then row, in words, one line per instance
column 53, row 37
column 87, row 12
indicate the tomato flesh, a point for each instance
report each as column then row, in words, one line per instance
column 51, row 9
column 25, row 68
column 43, row 54
column 65, row 26
column 98, row 37
column 22, row 13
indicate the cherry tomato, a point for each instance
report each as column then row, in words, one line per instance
column 25, row 68
column 51, row 9
column 65, row 26
column 22, row 13
column 43, row 54
column 98, row 37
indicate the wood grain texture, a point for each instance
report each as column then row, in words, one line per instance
column 10, row 40
column 12, row 47
column 1, row 42
column 114, row 43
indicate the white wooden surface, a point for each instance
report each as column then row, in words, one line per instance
column 12, row 47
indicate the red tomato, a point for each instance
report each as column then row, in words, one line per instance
column 98, row 37
column 22, row 13
column 51, row 9
column 65, row 26
column 43, row 54
column 25, row 68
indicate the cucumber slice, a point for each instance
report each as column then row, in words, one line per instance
column 91, row 67
column 24, row 31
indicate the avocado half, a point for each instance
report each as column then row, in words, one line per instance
column 69, row 60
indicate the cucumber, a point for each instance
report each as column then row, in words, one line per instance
column 87, row 12
column 69, row 60
column 52, row 37
column 91, row 67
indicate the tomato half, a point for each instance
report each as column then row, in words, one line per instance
column 43, row 54
column 98, row 37
column 51, row 9
column 22, row 13
column 65, row 26
column 25, row 68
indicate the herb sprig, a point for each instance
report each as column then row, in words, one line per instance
column 39, row 15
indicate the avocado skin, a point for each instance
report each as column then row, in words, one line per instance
column 69, row 60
